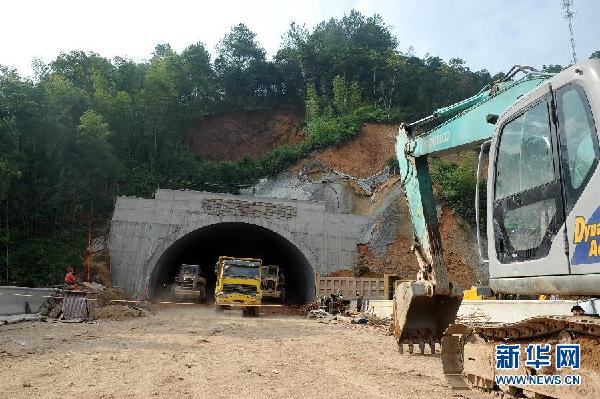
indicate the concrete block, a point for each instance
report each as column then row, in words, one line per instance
column 14, row 300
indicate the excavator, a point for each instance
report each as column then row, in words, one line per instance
column 538, row 132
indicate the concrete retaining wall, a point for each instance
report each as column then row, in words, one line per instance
column 381, row 308
column 512, row 311
column 14, row 300
column 493, row 311
column 369, row 287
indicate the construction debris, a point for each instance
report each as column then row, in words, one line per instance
column 117, row 312
column 52, row 306
column 102, row 303
column 105, row 296
column 375, row 320
column 19, row 318
column 314, row 305
column 318, row 314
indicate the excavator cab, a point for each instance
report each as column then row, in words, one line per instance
column 542, row 221
column 542, row 210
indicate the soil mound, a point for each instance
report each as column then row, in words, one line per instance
column 117, row 312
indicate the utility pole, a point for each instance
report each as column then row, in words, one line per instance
column 7, row 240
column 88, row 257
column 568, row 14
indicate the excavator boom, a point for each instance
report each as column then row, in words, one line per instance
column 424, row 308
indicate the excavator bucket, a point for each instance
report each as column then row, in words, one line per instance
column 421, row 318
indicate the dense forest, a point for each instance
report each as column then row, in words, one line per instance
column 86, row 128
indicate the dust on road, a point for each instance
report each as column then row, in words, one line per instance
column 190, row 352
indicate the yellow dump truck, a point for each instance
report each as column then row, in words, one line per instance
column 238, row 284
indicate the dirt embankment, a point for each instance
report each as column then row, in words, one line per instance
column 364, row 155
column 236, row 135
column 399, row 259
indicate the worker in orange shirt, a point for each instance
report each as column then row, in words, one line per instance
column 69, row 279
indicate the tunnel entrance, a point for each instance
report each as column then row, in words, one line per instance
column 204, row 246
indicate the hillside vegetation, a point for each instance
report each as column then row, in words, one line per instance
column 86, row 128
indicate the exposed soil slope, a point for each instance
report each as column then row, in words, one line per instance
column 401, row 261
column 236, row 135
column 362, row 156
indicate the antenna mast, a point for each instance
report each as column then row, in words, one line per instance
column 568, row 14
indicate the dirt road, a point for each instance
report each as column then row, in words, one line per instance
column 190, row 352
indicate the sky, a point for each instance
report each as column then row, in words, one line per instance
column 487, row 34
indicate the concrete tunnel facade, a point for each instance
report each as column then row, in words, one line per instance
column 150, row 238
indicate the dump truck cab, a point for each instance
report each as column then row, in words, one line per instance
column 238, row 284
column 189, row 284
column 273, row 282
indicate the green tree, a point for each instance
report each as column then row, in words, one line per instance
column 246, row 78
column 340, row 94
column 82, row 68
column 288, row 61
column 198, row 86
column 95, row 168
column 16, row 111
column 160, row 103
column 312, row 102
column 354, row 96
column 9, row 155
column 238, row 49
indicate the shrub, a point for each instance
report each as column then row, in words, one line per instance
column 456, row 186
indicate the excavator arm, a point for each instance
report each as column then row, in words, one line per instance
column 424, row 308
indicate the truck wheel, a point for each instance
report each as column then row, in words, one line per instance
column 254, row 311
column 219, row 308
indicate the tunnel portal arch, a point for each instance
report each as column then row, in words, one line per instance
column 204, row 245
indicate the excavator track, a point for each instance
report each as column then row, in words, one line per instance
column 468, row 356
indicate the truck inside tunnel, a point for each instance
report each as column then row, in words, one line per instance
column 204, row 246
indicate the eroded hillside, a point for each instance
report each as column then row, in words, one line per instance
column 236, row 135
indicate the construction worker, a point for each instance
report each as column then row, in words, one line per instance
column 69, row 279
column 577, row 311
column 359, row 301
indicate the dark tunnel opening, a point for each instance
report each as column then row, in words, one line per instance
column 204, row 246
